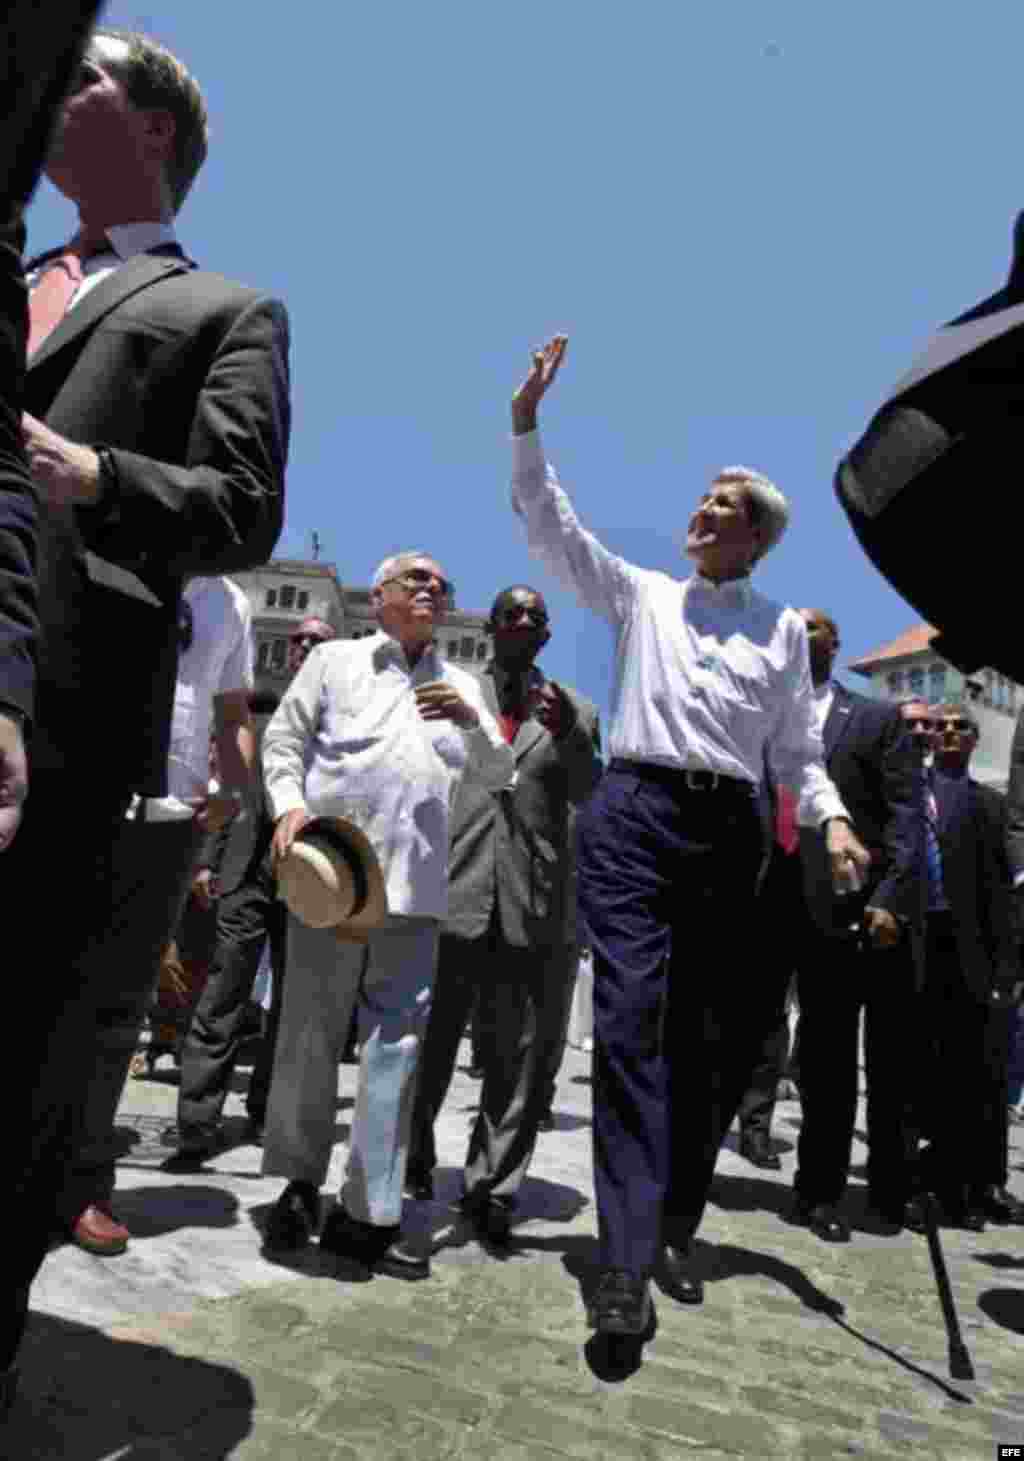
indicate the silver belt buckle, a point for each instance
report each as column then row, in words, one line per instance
column 695, row 784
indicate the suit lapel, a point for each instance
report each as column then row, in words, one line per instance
column 131, row 277
column 837, row 722
column 951, row 797
column 527, row 736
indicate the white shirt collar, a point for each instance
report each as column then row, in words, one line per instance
column 386, row 647
column 733, row 590
column 128, row 239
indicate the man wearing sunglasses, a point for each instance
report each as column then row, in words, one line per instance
column 380, row 730
column 233, row 870
column 509, row 938
column 972, row 983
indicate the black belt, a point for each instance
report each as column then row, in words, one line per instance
column 680, row 779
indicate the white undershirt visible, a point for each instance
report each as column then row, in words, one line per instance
column 126, row 240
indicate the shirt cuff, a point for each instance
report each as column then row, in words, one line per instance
column 527, row 455
column 285, row 800
column 1018, row 878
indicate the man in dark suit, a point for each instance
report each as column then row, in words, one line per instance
column 972, row 983
column 859, row 957
column 156, row 430
column 951, row 422
column 509, row 936
column 249, row 914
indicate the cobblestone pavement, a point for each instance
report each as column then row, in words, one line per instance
column 193, row 1347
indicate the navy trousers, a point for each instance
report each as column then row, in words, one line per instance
column 667, row 878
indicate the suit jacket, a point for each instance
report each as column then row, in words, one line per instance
column 872, row 762
column 952, row 423
column 976, row 880
column 184, row 376
column 514, row 849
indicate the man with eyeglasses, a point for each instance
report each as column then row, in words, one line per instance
column 509, row 938
column 971, row 985
column 233, row 870
column 381, row 730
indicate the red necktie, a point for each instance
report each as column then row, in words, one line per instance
column 786, row 833
column 52, row 294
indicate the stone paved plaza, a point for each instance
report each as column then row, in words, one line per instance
column 192, row 1346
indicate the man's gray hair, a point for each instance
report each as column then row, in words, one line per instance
column 769, row 509
column 396, row 564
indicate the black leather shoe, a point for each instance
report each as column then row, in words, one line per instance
column 621, row 1304
column 1000, row 1206
column 823, row 1219
column 966, row 1215
column 914, row 1215
column 491, row 1220
column 377, row 1249
column 399, row 1261
column 678, row 1274
column 293, row 1219
column 756, row 1147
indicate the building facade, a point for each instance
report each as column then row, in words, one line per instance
column 909, row 666
column 287, row 590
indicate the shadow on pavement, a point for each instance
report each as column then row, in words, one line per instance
column 439, row 1223
column 1000, row 1260
column 750, row 1194
column 151, row 1211
column 85, row 1396
column 723, row 1261
column 1004, row 1307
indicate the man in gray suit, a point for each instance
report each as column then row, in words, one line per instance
column 509, row 936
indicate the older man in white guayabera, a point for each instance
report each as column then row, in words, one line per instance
column 379, row 730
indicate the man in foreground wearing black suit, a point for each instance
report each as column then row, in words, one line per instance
column 509, row 937
column 859, row 956
column 156, row 432
column 972, row 983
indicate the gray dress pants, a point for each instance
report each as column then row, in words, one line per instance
column 388, row 981
column 522, row 1003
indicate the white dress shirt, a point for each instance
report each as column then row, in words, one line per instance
column 219, row 660
column 348, row 740
column 707, row 676
column 126, row 240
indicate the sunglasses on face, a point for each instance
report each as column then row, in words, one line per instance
column 417, row 579
column 957, row 725
column 313, row 639
column 919, row 722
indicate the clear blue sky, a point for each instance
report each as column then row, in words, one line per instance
column 745, row 215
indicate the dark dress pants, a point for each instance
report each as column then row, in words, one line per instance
column 783, row 930
column 519, row 992
column 57, row 881
column 965, row 1080
column 152, row 869
column 667, row 878
column 841, row 979
column 246, row 919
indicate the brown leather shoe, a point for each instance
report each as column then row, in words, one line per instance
column 98, row 1231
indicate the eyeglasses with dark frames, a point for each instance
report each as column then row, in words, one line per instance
column 955, row 723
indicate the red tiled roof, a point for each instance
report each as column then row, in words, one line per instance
column 911, row 641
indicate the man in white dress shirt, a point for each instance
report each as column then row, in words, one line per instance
column 379, row 730
column 709, row 675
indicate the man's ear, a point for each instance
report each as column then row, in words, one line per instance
column 161, row 128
